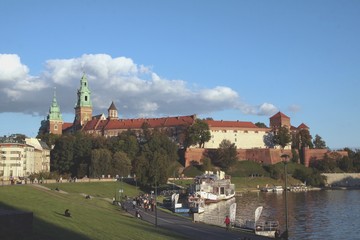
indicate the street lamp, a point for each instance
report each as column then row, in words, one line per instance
column 285, row 159
column 3, row 174
column 156, row 205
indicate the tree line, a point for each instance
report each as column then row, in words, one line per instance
column 147, row 155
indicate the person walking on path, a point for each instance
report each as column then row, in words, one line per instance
column 227, row 222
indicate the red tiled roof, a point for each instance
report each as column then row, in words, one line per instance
column 90, row 125
column 293, row 128
column 302, row 126
column 152, row 122
column 279, row 114
column 66, row 126
column 226, row 124
column 137, row 123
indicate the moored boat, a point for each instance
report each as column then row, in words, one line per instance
column 212, row 187
column 196, row 205
column 263, row 228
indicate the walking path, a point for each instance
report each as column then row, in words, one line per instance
column 187, row 227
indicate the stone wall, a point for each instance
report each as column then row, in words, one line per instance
column 266, row 156
column 318, row 154
column 261, row 155
column 343, row 179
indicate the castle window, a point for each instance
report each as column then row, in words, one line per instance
column 245, row 131
column 86, row 98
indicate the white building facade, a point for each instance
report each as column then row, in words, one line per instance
column 245, row 135
column 20, row 159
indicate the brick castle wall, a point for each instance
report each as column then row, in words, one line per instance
column 265, row 156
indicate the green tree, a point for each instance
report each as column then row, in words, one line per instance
column 346, row 164
column 206, row 164
column 302, row 139
column 319, row 143
column 82, row 154
column 274, row 172
column 197, row 134
column 121, row 164
column 155, row 156
column 127, row 142
column 261, row 125
column 49, row 138
column 100, row 162
column 282, row 137
column 305, row 138
column 226, row 155
column 295, row 156
column 61, row 159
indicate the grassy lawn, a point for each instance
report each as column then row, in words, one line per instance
column 94, row 218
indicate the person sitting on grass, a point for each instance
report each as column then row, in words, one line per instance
column 67, row 213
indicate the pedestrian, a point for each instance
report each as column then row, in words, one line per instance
column 227, row 222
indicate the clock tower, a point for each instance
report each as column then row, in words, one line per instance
column 83, row 107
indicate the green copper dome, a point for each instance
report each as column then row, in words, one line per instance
column 54, row 112
column 84, row 94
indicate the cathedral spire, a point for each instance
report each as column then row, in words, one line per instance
column 55, row 121
column 54, row 111
column 83, row 107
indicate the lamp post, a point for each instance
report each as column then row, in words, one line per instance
column 285, row 159
column 3, row 175
column 155, row 205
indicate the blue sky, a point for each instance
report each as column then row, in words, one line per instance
column 229, row 60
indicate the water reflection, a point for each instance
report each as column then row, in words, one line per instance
column 312, row 214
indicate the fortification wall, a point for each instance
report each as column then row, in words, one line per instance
column 343, row 179
column 265, row 156
column 318, row 154
column 262, row 155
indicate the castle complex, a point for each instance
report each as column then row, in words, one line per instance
column 250, row 140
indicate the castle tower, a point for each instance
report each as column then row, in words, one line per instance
column 54, row 118
column 112, row 112
column 280, row 120
column 83, row 107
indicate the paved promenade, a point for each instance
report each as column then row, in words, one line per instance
column 188, row 228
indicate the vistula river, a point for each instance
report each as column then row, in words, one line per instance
column 313, row 215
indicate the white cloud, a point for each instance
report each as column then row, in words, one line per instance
column 11, row 68
column 16, row 85
column 136, row 89
column 222, row 94
column 267, row 109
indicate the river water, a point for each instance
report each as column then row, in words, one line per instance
column 313, row 215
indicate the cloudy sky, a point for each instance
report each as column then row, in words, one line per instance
column 229, row 60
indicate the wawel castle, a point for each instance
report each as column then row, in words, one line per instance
column 249, row 139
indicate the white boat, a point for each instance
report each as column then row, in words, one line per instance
column 213, row 187
column 196, row 205
column 278, row 189
column 263, row 228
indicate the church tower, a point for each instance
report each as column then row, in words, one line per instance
column 83, row 107
column 112, row 112
column 54, row 118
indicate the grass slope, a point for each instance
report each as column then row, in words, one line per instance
column 94, row 218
